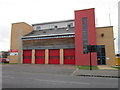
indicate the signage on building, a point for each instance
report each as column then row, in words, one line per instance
column 92, row 48
column 13, row 52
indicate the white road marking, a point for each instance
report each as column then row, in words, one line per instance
column 61, row 81
column 74, row 72
column 8, row 77
column 50, row 80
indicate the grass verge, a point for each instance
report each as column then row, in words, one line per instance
column 116, row 68
column 87, row 67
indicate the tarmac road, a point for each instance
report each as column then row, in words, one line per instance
column 50, row 76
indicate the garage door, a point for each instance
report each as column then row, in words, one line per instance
column 39, row 56
column 27, row 56
column 69, row 56
column 54, row 56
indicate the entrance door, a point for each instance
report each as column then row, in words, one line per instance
column 39, row 56
column 54, row 56
column 27, row 56
column 69, row 56
column 101, row 55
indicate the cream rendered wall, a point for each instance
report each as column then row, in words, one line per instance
column 108, row 41
column 18, row 29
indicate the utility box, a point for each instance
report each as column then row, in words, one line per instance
column 118, row 61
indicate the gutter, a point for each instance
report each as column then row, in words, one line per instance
column 49, row 35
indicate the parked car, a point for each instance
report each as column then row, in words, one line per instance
column 4, row 60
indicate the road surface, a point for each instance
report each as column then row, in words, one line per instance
column 50, row 76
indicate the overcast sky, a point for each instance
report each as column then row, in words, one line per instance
column 38, row 11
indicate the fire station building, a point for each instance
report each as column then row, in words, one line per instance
column 63, row 42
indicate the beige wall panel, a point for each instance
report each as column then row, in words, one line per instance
column 108, row 41
column 17, row 28
column 33, row 56
column 61, row 56
column 46, row 56
column 14, row 59
column 21, row 61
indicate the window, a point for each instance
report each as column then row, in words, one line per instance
column 40, row 57
column 27, row 57
column 70, row 25
column 69, row 57
column 38, row 28
column 55, row 27
column 101, row 54
column 85, row 34
column 54, row 57
column 51, row 27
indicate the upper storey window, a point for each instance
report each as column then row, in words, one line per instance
column 38, row 27
column 85, row 34
column 53, row 25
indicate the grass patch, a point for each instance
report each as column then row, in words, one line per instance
column 87, row 67
column 116, row 68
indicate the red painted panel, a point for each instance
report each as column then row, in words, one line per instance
column 69, row 56
column 39, row 56
column 83, row 59
column 27, row 56
column 54, row 56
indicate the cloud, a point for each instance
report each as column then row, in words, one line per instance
column 37, row 11
column 4, row 43
column 4, row 38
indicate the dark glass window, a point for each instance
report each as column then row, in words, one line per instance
column 85, row 34
column 54, row 57
column 56, row 26
column 40, row 57
column 101, row 54
column 38, row 28
column 27, row 57
column 69, row 57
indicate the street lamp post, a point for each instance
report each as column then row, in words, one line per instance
column 90, row 49
column 90, row 62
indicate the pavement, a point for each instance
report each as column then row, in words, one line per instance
column 105, row 67
column 104, row 71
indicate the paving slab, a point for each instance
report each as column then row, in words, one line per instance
column 105, row 67
column 78, row 72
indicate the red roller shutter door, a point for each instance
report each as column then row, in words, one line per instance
column 39, row 56
column 54, row 56
column 69, row 56
column 27, row 56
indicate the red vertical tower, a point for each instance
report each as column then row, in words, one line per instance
column 85, row 22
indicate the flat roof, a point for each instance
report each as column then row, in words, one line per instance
column 50, row 32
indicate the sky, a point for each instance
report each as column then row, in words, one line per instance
column 39, row 11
